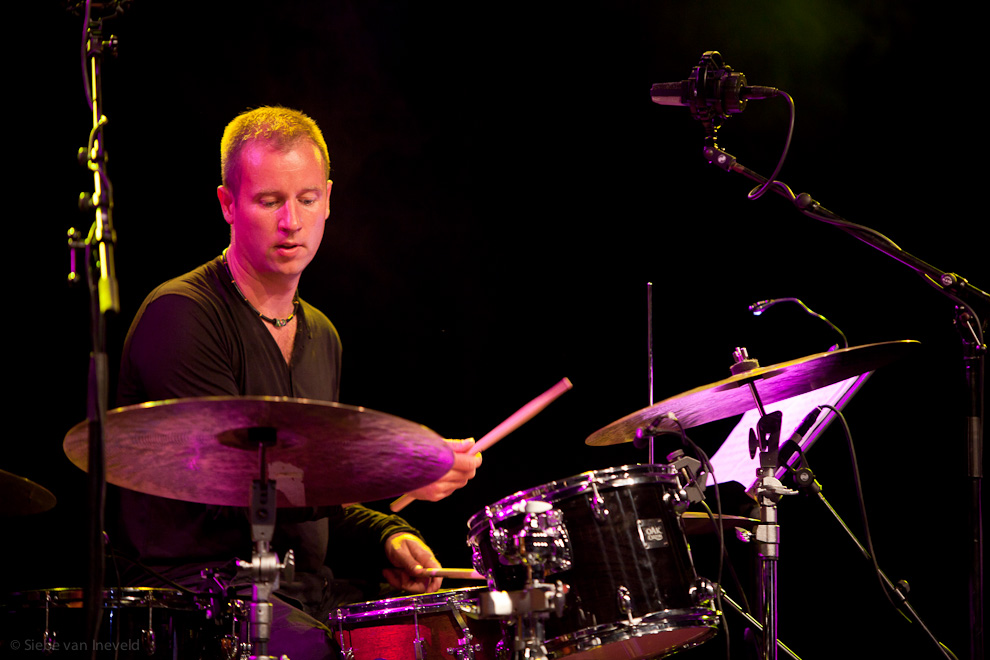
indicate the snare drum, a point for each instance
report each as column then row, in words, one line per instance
column 614, row 537
column 437, row 626
column 136, row 623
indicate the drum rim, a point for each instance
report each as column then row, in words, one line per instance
column 604, row 479
column 594, row 637
column 72, row 598
column 437, row 601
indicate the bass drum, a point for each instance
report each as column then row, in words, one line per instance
column 438, row 626
column 614, row 537
column 136, row 623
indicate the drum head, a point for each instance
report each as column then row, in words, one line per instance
column 555, row 491
column 463, row 600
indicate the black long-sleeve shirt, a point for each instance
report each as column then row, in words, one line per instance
column 195, row 336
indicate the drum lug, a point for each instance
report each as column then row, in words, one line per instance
column 498, row 537
column 346, row 651
column 597, row 502
column 49, row 642
column 148, row 641
column 677, row 500
column 503, row 649
column 624, row 601
column 148, row 636
column 465, row 649
column 230, row 647
column 50, row 639
column 702, row 593
column 419, row 644
column 478, row 561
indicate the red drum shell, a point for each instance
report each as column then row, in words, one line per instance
column 389, row 629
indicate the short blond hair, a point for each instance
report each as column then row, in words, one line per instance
column 280, row 127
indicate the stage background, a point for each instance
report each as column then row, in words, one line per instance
column 503, row 191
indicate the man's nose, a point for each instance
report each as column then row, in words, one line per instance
column 288, row 220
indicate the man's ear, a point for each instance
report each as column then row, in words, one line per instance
column 226, row 199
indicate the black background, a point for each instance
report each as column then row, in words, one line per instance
column 503, row 191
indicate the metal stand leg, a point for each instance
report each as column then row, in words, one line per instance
column 264, row 567
column 766, row 440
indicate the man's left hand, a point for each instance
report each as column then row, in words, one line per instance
column 410, row 556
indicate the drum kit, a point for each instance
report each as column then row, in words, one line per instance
column 594, row 567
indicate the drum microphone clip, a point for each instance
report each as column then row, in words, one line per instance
column 690, row 478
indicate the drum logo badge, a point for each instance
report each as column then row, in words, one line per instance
column 651, row 533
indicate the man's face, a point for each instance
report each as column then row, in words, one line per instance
column 279, row 210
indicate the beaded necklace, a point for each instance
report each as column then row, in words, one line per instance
column 278, row 323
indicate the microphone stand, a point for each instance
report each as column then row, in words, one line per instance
column 756, row 624
column 967, row 298
column 713, row 93
column 104, row 299
column 806, row 481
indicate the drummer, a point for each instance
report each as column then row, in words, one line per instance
column 236, row 326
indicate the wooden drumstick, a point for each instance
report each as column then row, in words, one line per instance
column 457, row 573
column 514, row 421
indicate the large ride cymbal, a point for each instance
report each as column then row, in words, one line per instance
column 731, row 396
column 20, row 496
column 197, row 450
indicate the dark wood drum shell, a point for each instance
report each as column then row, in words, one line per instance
column 633, row 591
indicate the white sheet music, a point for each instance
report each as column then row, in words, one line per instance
column 732, row 461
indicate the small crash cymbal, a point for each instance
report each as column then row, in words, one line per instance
column 199, row 450
column 20, row 496
column 699, row 522
column 731, row 397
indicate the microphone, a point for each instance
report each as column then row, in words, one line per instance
column 761, row 306
column 793, row 444
column 681, row 93
column 713, row 88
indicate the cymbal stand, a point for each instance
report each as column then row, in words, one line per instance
column 766, row 440
column 649, row 355
column 264, row 568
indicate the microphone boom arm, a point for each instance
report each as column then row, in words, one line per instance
column 967, row 298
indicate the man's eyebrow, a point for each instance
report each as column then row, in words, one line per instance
column 278, row 193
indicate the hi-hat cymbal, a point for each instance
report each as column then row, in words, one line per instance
column 20, row 496
column 198, row 450
column 731, row 397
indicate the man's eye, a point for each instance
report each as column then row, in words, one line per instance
column 307, row 201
